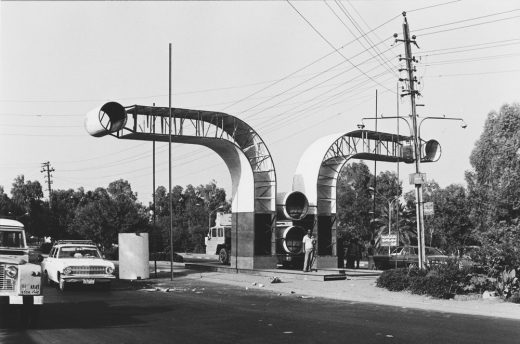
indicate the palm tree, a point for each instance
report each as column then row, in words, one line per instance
column 404, row 225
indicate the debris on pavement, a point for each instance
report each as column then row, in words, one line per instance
column 276, row 280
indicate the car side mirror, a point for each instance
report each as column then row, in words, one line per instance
column 40, row 258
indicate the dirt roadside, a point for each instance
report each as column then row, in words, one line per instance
column 360, row 289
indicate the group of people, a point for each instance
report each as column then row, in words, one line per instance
column 353, row 252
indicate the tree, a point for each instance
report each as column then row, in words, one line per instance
column 191, row 207
column 29, row 207
column 353, row 201
column 23, row 193
column 493, row 183
column 6, row 204
column 101, row 214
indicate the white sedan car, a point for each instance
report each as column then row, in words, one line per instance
column 77, row 261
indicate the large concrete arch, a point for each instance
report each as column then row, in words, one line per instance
column 318, row 170
column 245, row 154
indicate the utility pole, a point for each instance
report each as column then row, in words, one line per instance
column 47, row 169
column 170, row 155
column 409, row 58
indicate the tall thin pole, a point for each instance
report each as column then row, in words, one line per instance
column 417, row 155
column 375, row 180
column 389, row 223
column 170, row 156
column 397, row 119
column 153, row 172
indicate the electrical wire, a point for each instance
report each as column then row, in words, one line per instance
column 390, row 67
column 332, row 46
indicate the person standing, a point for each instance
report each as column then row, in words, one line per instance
column 308, row 242
column 371, row 249
column 359, row 252
column 353, row 253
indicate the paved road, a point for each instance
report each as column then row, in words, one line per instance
column 197, row 311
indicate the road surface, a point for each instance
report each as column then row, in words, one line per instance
column 197, row 311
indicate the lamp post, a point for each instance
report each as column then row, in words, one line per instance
column 415, row 132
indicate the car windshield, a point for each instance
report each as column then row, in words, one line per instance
column 79, row 252
column 430, row 251
column 11, row 239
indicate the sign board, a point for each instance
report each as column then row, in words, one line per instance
column 389, row 240
column 428, row 209
column 417, row 178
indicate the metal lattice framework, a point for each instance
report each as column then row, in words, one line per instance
column 360, row 144
column 330, row 154
column 215, row 130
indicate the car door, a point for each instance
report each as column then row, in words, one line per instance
column 402, row 258
column 396, row 257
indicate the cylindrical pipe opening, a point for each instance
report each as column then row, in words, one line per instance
column 292, row 205
column 290, row 239
column 106, row 119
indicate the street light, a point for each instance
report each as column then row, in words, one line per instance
column 390, row 202
column 415, row 134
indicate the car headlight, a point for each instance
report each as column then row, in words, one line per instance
column 11, row 271
column 67, row 270
column 109, row 270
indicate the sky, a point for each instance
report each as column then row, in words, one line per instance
column 294, row 71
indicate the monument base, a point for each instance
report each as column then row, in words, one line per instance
column 256, row 262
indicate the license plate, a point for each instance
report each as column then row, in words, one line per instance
column 30, row 289
column 88, row 281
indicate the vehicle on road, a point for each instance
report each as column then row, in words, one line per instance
column 406, row 256
column 76, row 261
column 289, row 250
column 218, row 240
column 20, row 281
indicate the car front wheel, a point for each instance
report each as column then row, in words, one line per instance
column 223, row 256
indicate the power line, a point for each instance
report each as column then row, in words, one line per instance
column 486, row 45
column 390, row 67
column 332, row 46
column 310, row 64
column 432, row 6
column 310, row 79
column 476, row 73
column 466, row 26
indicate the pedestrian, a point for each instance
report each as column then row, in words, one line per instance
column 353, row 252
column 359, row 252
column 308, row 242
column 371, row 250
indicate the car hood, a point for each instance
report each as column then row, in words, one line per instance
column 86, row 262
column 12, row 260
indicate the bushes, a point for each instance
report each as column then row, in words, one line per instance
column 493, row 267
column 394, row 280
column 441, row 281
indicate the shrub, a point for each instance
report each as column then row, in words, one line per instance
column 394, row 280
column 507, row 284
column 515, row 298
column 441, row 281
column 500, row 249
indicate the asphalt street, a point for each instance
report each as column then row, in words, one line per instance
column 197, row 311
